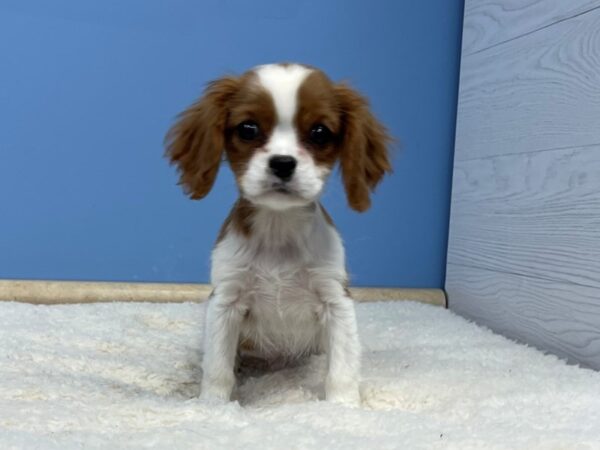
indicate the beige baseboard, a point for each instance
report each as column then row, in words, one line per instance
column 61, row 292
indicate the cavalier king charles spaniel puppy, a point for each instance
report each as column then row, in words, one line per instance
column 278, row 266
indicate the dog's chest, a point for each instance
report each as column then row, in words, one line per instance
column 277, row 274
column 283, row 309
column 279, row 289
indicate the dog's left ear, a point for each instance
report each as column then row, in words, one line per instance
column 364, row 156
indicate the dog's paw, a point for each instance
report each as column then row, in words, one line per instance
column 346, row 393
column 210, row 400
column 215, row 393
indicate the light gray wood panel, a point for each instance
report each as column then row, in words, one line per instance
column 550, row 315
column 490, row 22
column 524, row 244
column 537, row 92
column 535, row 214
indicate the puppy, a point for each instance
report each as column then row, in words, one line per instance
column 278, row 266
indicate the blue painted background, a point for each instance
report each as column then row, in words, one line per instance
column 89, row 88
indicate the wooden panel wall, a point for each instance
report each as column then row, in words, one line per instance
column 491, row 22
column 524, row 247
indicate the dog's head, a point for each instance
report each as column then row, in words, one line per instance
column 282, row 128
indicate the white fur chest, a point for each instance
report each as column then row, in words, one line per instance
column 277, row 274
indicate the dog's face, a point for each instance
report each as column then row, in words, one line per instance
column 282, row 127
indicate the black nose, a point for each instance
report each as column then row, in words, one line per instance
column 282, row 166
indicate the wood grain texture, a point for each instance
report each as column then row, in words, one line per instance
column 537, row 92
column 491, row 22
column 559, row 317
column 535, row 214
column 524, row 243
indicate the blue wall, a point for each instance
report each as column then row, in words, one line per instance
column 88, row 90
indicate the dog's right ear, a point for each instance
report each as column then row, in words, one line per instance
column 196, row 142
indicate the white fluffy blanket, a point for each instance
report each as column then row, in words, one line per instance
column 127, row 376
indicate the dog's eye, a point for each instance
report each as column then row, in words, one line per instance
column 320, row 135
column 248, row 131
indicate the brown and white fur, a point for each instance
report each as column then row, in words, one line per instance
column 278, row 267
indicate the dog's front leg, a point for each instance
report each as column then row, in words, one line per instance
column 223, row 318
column 343, row 347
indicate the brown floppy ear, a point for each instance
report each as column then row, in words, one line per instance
column 196, row 142
column 364, row 157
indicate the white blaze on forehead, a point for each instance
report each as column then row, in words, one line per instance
column 283, row 83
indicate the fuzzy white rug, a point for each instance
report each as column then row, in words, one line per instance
column 127, row 376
